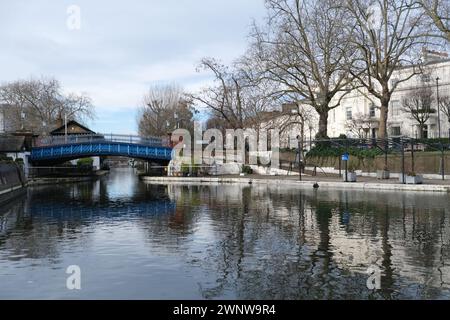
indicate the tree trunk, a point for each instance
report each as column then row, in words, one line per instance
column 421, row 127
column 323, row 125
column 384, row 109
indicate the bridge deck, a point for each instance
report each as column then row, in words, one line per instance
column 74, row 147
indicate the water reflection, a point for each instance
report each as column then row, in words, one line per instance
column 250, row 242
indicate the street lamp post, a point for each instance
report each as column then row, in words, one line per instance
column 300, row 138
column 310, row 137
column 65, row 128
column 438, row 107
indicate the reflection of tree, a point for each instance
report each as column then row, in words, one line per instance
column 26, row 237
column 255, row 242
column 387, row 281
column 57, row 214
column 298, row 255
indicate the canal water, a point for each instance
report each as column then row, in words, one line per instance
column 132, row 240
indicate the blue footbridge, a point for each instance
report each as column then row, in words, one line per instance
column 65, row 148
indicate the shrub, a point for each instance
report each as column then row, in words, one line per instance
column 189, row 168
column 247, row 170
column 86, row 162
column 5, row 159
column 335, row 151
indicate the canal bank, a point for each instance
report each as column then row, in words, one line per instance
column 65, row 180
column 306, row 183
column 12, row 182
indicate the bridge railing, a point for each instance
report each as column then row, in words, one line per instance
column 95, row 138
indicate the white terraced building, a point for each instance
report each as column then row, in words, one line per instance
column 358, row 111
column 358, row 114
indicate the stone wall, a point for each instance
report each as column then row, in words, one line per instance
column 11, row 175
column 12, row 181
column 424, row 163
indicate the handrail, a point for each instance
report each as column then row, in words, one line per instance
column 94, row 138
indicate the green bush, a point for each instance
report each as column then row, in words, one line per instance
column 434, row 141
column 189, row 168
column 335, row 151
column 247, row 170
column 86, row 162
column 5, row 159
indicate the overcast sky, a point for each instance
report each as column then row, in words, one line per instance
column 122, row 47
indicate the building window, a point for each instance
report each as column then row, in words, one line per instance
column 394, row 82
column 425, row 132
column 395, row 106
column 396, row 131
column 348, row 113
column 372, row 111
column 425, row 78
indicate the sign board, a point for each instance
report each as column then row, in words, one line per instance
column 345, row 157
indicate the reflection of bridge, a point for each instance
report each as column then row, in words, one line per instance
column 138, row 209
column 65, row 148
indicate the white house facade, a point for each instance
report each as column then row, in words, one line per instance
column 358, row 106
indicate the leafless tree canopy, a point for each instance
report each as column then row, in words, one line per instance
column 165, row 108
column 40, row 105
column 388, row 37
column 360, row 125
column 444, row 103
column 304, row 48
column 438, row 12
column 418, row 105
column 233, row 97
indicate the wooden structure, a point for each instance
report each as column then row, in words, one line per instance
column 73, row 128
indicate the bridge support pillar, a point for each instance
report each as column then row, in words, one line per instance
column 96, row 164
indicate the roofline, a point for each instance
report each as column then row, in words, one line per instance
column 71, row 121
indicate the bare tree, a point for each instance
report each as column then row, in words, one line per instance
column 304, row 48
column 164, row 109
column 418, row 105
column 39, row 104
column 387, row 37
column 360, row 125
column 439, row 13
column 233, row 97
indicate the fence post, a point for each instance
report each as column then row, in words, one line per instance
column 340, row 166
column 299, row 160
column 412, row 156
column 442, row 161
column 403, row 160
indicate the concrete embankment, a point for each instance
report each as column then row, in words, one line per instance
column 12, row 182
column 307, row 183
column 62, row 180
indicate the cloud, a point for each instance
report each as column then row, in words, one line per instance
column 123, row 47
